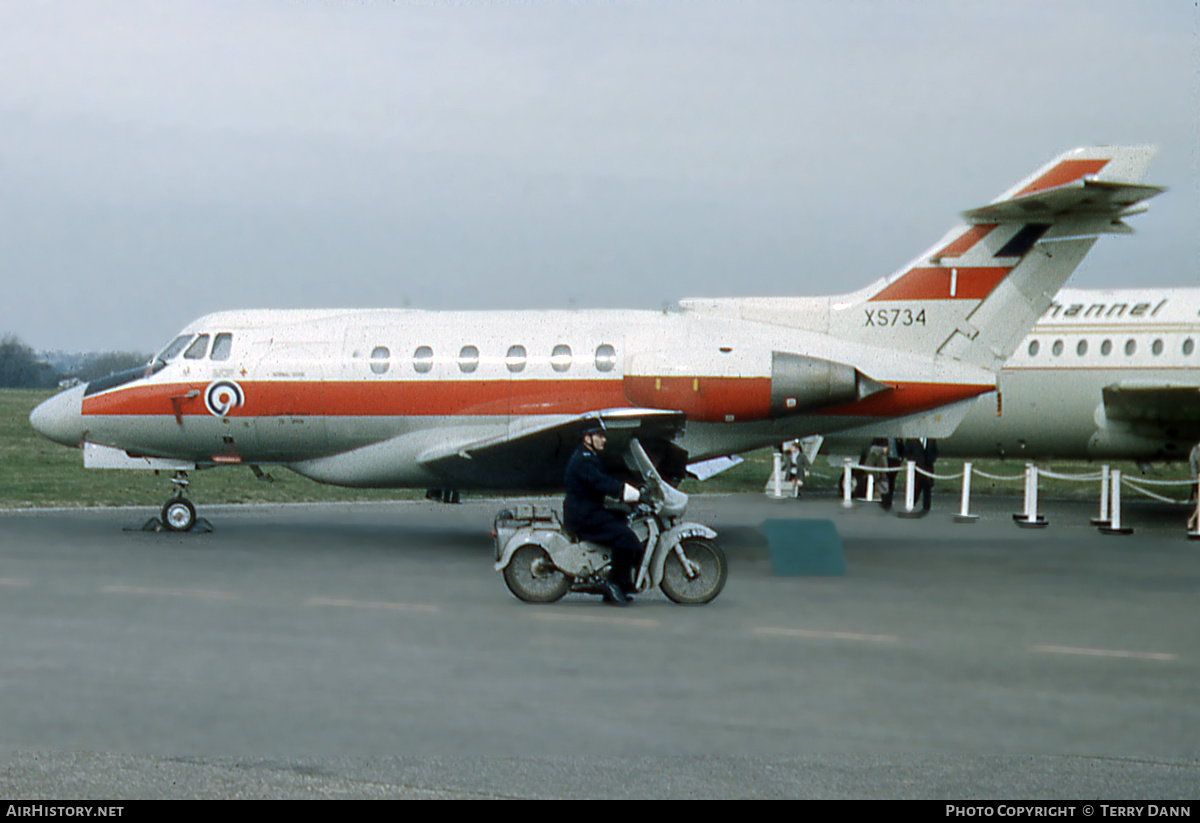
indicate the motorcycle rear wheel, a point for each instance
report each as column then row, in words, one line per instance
column 707, row 584
column 532, row 576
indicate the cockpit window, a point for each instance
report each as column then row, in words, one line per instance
column 197, row 350
column 222, row 346
column 172, row 351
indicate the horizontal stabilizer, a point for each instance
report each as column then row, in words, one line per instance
column 1083, row 198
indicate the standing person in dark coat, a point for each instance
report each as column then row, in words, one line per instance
column 922, row 451
column 584, row 514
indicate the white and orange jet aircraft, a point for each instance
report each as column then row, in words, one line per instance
column 494, row 400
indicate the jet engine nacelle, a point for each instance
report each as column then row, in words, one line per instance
column 800, row 384
column 797, row 384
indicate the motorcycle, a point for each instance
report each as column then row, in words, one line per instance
column 541, row 562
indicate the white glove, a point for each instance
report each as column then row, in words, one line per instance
column 630, row 494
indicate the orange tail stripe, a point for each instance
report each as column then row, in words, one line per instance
column 937, row 283
column 966, row 240
column 1065, row 172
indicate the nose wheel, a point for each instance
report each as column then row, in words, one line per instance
column 178, row 514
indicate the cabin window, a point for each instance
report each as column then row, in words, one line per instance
column 1130, row 347
column 560, row 358
column 379, row 359
column 1081, row 348
column 1033, row 348
column 515, row 359
column 198, row 349
column 468, row 359
column 222, row 346
column 1057, row 348
column 1188, row 347
column 1156, row 347
column 423, row 359
column 1106, row 348
column 606, row 357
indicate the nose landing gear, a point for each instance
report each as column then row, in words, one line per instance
column 178, row 513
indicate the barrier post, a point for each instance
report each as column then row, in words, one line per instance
column 910, row 490
column 1194, row 522
column 1115, row 526
column 847, row 485
column 1103, row 519
column 870, row 487
column 1029, row 519
column 964, row 515
column 777, row 475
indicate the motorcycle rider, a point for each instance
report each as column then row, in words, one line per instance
column 584, row 514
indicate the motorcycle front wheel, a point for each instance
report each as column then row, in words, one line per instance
column 704, row 581
column 532, row 576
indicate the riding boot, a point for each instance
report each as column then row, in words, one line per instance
column 613, row 594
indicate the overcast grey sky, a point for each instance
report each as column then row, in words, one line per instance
column 159, row 161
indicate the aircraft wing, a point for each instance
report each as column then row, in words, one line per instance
column 535, row 455
column 1159, row 404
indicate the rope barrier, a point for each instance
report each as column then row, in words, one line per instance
column 1081, row 477
column 1110, row 491
column 1136, row 485
column 982, row 473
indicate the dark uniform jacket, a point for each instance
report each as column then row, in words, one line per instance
column 587, row 484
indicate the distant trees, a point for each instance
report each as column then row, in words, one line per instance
column 23, row 368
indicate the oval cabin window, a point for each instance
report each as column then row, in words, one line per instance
column 515, row 359
column 379, row 359
column 468, row 359
column 606, row 357
column 560, row 358
column 422, row 359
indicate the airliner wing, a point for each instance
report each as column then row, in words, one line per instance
column 535, row 456
column 1175, row 405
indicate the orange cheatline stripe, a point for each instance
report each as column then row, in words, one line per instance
column 963, row 243
column 400, row 398
column 370, row 398
column 972, row 283
column 1065, row 172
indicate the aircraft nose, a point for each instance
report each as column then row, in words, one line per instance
column 61, row 417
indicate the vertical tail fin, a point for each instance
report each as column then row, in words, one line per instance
column 975, row 294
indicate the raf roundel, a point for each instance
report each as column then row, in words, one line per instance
column 222, row 397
